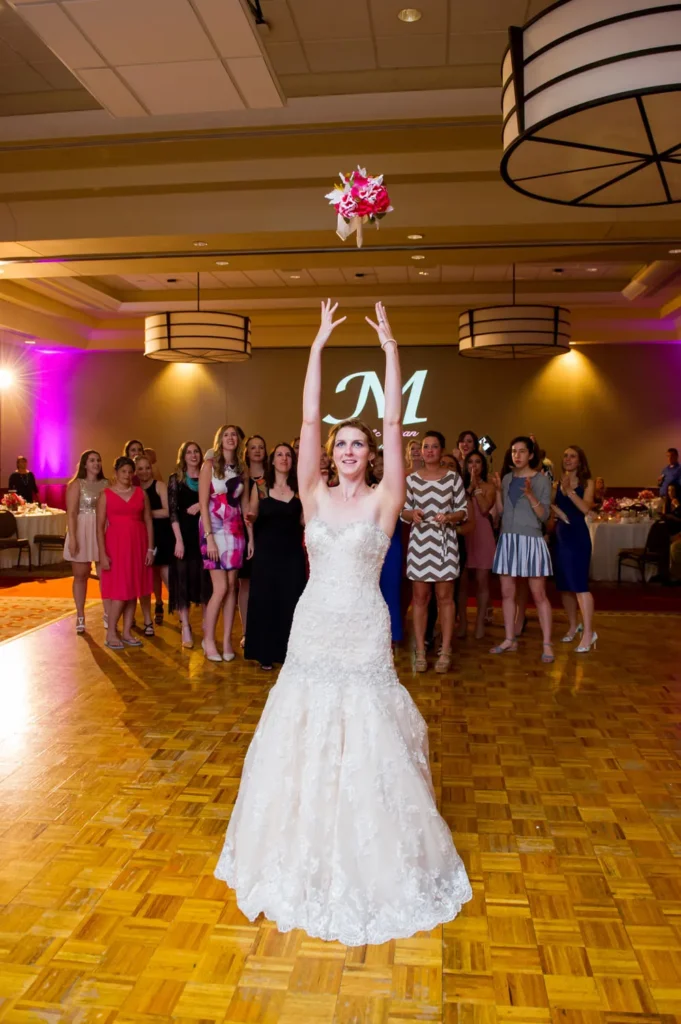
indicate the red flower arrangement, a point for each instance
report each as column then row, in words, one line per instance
column 646, row 496
column 360, row 198
column 610, row 506
column 12, row 501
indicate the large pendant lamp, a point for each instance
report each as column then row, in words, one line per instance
column 591, row 104
column 198, row 336
column 515, row 331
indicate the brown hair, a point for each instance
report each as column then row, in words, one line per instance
column 219, row 463
column 81, row 471
column 583, row 471
column 181, row 464
column 270, row 475
column 357, row 425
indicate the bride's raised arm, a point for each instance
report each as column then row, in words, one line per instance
column 392, row 487
column 310, row 432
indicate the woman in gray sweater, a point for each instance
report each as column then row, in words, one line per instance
column 523, row 502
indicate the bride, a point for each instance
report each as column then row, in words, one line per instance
column 335, row 828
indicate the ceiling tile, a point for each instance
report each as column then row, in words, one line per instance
column 234, row 279
column 231, row 30
column 255, row 83
column 537, row 6
column 142, row 31
column 478, row 48
column 457, row 273
column 58, row 76
column 322, row 19
column 429, row 275
column 414, row 52
column 264, row 278
column 189, row 87
column 20, row 78
column 296, row 278
column 392, row 275
column 327, row 276
column 281, row 24
column 111, row 92
column 287, row 58
column 8, row 56
column 62, row 36
column 486, row 15
column 386, row 23
column 350, row 275
column 341, row 55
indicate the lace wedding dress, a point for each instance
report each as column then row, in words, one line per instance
column 335, row 828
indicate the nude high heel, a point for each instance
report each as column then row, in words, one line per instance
column 585, row 648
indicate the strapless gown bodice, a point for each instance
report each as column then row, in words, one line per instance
column 335, row 829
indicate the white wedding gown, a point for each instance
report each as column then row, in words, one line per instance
column 335, row 828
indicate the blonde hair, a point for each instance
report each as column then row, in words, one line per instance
column 356, row 425
column 219, row 463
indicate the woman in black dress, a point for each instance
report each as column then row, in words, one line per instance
column 157, row 493
column 255, row 457
column 188, row 581
column 279, row 577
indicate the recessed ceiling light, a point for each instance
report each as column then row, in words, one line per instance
column 222, row 263
column 592, row 270
column 409, row 14
column 414, row 238
column 675, row 252
column 417, row 257
column 295, row 277
column 423, row 273
column 199, row 245
column 29, row 341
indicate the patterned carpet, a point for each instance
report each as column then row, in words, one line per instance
column 21, row 614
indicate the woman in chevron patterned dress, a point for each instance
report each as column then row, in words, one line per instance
column 436, row 502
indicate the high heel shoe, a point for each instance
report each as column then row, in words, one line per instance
column 420, row 661
column 549, row 658
column 585, row 648
column 444, row 662
column 80, row 624
column 210, row 657
column 158, row 613
column 188, row 643
column 507, row 647
column 229, row 656
column 569, row 637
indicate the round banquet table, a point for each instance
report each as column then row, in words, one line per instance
column 28, row 525
column 607, row 540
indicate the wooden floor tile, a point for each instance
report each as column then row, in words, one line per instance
column 562, row 785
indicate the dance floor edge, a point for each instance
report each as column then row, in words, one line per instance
column 561, row 783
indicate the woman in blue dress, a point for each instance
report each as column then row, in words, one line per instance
column 391, row 573
column 572, row 558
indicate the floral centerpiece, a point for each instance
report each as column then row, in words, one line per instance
column 358, row 200
column 12, row 501
column 610, row 507
column 646, row 496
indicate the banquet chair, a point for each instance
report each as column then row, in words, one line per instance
column 9, row 537
column 656, row 553
column 54, row 541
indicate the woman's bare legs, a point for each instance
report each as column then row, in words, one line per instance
column 446, row 611
column 508, row 605
column 570, row 605
column 210, row 619
column 586, row 606
column 544, row 613
column 420, row 601
column 81, row 574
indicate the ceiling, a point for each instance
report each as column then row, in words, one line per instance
column 131, row 130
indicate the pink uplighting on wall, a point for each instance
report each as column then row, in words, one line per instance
column 53, row 444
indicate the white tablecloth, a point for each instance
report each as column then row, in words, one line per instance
column 608, row 539
column 28, row 526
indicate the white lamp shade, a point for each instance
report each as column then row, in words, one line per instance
column 514, row 332
column 590, row 103
column 198, row 337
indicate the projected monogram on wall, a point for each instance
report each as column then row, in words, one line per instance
column 371, row 386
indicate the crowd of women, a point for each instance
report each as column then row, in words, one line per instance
column 226, row 531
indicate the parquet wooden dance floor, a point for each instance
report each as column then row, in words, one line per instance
column 562, row 785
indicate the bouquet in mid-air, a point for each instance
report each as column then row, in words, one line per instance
column 358, row 200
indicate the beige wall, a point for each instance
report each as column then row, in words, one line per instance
column 621, row 403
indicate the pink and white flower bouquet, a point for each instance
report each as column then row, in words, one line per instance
column 12, row 501
column 358, row 200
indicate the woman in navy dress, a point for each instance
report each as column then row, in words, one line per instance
column 391, row 573
column 574, row 499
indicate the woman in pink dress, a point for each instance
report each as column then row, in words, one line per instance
column 126, row 549
column 480, row 544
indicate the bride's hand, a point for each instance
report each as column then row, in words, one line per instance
column 328, row 324
column 382, row 328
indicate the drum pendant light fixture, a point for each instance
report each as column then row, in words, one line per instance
column 198, row 336
column 591, row 94
column 514, row 331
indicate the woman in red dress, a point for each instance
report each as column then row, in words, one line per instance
column 126, row 546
